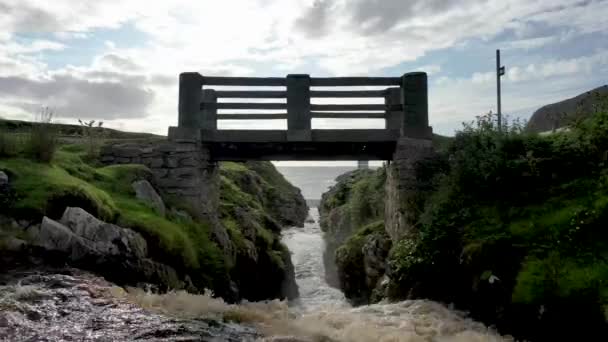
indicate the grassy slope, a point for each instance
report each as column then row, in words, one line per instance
column 106, row 192
column 71, row 179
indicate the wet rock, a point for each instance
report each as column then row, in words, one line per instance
column 375, row 250
column 106, row 238
column 145, row 192
column 54, row 236
column 3, row 178
column 81, row 240
column 81, row 304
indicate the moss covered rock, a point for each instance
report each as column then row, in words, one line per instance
column 251, row 197
column 356, row 200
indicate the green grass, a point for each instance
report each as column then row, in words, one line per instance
column 106, row 192
column 351, row 252
column 42, row 187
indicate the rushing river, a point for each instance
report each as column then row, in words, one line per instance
column 76, row 306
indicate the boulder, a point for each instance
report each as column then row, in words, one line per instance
column 145, row 192
column 83, row 241
column 106, row 238
column 53, row 236
column 3, row 178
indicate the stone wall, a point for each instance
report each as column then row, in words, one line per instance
column 183, row 171
column 180, row 169
column 404, row 188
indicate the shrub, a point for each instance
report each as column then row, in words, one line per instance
column 93, row 135
column 42, row 141
column 527, row 209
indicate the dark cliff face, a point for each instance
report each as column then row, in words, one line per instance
column 281, row 199
column 352, row 217
column 560, row 114
column 256, row 202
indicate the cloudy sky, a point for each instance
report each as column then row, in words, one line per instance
column 118, row 60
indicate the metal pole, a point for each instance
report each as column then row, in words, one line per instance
column 499, row 72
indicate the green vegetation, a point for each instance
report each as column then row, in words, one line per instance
column 517, row 224
column 251, row 195
column 93, row 135
column 265, row 189
column 46, row 189
column 48, row 172
column 360, row 194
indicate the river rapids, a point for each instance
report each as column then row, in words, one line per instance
column 72, row 305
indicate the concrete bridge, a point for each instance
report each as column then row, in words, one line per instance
column 186, row 165
column 405, row 112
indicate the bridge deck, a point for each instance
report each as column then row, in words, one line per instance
column 372, row 144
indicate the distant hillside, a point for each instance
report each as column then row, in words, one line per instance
column 561, row 113
column 73, row 131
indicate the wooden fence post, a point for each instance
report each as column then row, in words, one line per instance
column 298, row 108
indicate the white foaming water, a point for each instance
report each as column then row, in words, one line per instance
column 307, row 245
column 322, row 313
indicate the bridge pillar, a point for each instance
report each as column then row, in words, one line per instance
column 298, row 108
column 414, row 96
column 190, row 99
column 405, row 187
column 183, row 170
column 209, row 112
column 394, row 119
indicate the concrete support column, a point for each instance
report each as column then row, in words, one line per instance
column 414, row 96
column 209, row 111
column 298, row 108
column 404, row 189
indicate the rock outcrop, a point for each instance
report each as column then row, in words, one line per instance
column 145, row 192
column 83, row 241
column 252, row 195
column 560, row 114
column 356, row 244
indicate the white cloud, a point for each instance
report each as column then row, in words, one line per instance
column 258, row 37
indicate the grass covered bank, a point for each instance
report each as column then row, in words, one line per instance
column 251, row 195
column 514, row 230
column 517, row 225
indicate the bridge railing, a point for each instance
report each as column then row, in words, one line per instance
column 405, row 107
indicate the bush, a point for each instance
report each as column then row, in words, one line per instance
column 93, row 135
column 528, row 210
column 42, row 141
